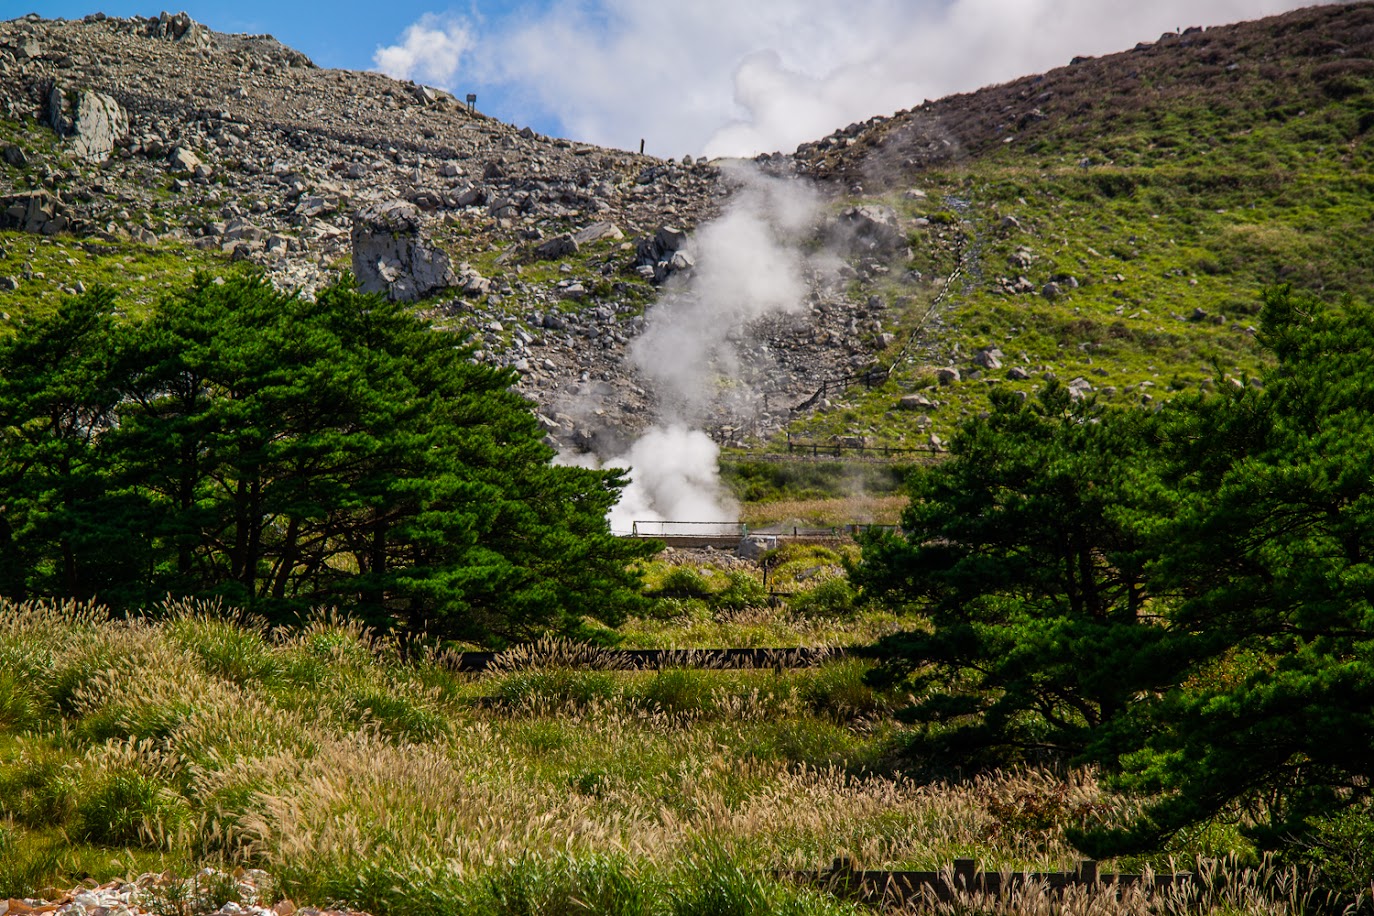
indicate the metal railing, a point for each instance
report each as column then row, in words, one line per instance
column 669, row 529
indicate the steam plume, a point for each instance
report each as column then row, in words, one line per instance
column 750, row 265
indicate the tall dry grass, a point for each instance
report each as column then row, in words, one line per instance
column 322, row 757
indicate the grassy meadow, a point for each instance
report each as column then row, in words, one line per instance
column 359, row 771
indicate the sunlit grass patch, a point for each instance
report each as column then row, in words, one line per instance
column 840, row 512
column 49, row 268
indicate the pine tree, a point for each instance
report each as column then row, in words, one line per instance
column 283, row 454
column 1184, row 598
column 1270, row 557
column 1025, row 552
column 60, row 521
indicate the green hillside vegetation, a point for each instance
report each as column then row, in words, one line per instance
column 49, row 269
column 1172, row 184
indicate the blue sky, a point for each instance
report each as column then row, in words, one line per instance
column 343, row 33
column 719, row 77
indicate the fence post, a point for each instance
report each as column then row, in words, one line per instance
column 843, row 878
column 964, row 872
column 1087, row 872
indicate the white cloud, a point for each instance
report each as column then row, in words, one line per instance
column 731, row 78
column 429, row 52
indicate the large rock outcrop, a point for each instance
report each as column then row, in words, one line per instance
column 35, row 211
column 868, row 229
column 94, row 122
column 181, row 27
column 390, row 254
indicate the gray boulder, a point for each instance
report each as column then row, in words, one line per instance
column 467, row 197
column 754, row 546
column 94, row 122
column 659, row 257
column 183, row 160
column 27, row 49
column 990, row 358
column 472, row 283
column 559, row 247
column 670, row 238
column 868, row 229
column 34, row 211
column 596, row 232
column 390, row 254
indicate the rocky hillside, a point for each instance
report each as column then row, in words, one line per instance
column 1109, row 223
column 125, row 138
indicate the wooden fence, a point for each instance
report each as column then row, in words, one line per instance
column 839, row 448
column 657, row 659
column 895, row 887
column 869, row 377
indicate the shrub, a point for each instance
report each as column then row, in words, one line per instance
column 228, row 648
column 127, row 808
column 556, row 687
column 562, row 887
column 681, row 582
column 840, row 690
column 831, row 598
column 23, row 867
column 742, row 591
column 19, row 708
column 716, row 885
column 679, row 690
column 1340, row 849
column 396, row 716
column 33, row 788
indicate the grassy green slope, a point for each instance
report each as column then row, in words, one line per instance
column 1172, row 184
